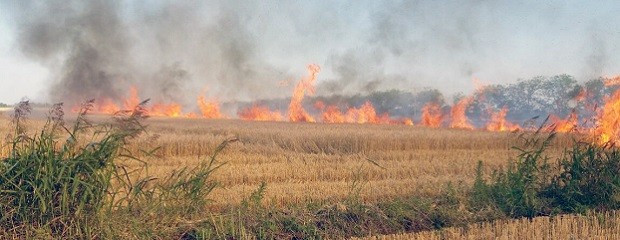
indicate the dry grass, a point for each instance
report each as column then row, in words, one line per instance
column 589, row 226
column 303, row 162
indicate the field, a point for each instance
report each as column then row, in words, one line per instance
column 307, row 162
column 590, row 226
column 304, row 164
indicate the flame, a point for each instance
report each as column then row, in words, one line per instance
column 209, row 109
column 607, row 124
column 260, row 113
column 609, row 120
column 498, row 122
column 407, row 121
column 333, row 115
column 431, row 115
column 133, row 100
column 107, row 106
column 166, row 110
column 564, row 125
column 297, row 113
column 459, row 117
column 366, row 114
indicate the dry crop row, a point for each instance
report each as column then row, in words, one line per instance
column 303, row 162
column 589, row 226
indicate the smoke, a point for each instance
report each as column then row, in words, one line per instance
column 243, row 50
column 169, row 51
column 88, row 38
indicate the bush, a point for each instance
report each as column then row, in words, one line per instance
column 80, row 188
column 60, row 186
column 587, row 176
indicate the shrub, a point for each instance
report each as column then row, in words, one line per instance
column 60, row 186
column 589, row 178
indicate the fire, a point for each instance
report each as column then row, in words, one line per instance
column 459, row 116
column 408, row 121
column 297, row 113
column 564, row 125
column 166, row 110
column 366, row 114
column 431, row 115
column 609, row 120
column 133, row 100
column 260, row 113
column 209, row 109
column 333, row 115
column 107, row 106
column 498, row 122
column 607, row 127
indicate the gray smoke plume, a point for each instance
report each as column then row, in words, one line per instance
column 243, row 50
column 88, row 37
column 169, row 51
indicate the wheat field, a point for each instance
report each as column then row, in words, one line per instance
column 305, row 163
column 589, row 226
column 302, row 162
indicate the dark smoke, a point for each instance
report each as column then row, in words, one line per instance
column 89, row 37
column 169, row 51
column 241, row 50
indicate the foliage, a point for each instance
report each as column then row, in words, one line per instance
column 59, row 185
column 586, row 177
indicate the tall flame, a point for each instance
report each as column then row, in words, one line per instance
column 498, row 122
column 459, row 116
column 297, row 113
column 609, row 120
column 432, row 115
column 133, row 100
column 209, row 109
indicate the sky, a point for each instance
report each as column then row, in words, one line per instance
column 246, row 50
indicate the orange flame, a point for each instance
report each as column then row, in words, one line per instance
column 209, row 109
column 259, row 113
column 297, row 113
column 431, row 115
column 107, row 106
column 133, row 100
column 459, row 117
column 366, row 114
column 609, row 120
column 333, row 115
column 564, row 125
column 498, row 122
column 166, row 110
column 408, row 121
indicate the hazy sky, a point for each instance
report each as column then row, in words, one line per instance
column 244, row 50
